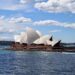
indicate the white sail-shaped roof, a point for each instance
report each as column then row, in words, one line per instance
column 29, row 36
column 17, row 38
column 52, row 43
column 42, row 40
column 39, row 33
column 23, row 37
column 32, row 35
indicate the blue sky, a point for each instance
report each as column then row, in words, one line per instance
column 54, row 17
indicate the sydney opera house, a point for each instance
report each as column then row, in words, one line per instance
column 33, row 40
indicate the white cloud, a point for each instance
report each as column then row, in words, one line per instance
column 16, row 23
column 1, row 17
column 3, row 30
column 6, row 38
column 25, row 1
column 47, row 22
column 54, row 23
column 57, row 6
column 15, row 4
column 54, row 31
column 12, row 24
column 39, row 0
column 20, row 20
column 13, row 7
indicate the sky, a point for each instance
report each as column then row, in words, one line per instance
column 53, row 17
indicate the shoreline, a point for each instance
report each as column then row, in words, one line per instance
column 46, row 50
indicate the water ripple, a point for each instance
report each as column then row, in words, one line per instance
column 36, row 63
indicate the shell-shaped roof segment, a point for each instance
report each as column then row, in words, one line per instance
column 17, row 38
column 28, row 37
column 32, row 35
column 52, row 43
column 42, row 40
column 23, row 37
column 39, row 33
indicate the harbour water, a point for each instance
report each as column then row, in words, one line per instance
column 36, row 63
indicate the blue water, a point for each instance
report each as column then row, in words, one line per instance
column 36, row 63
